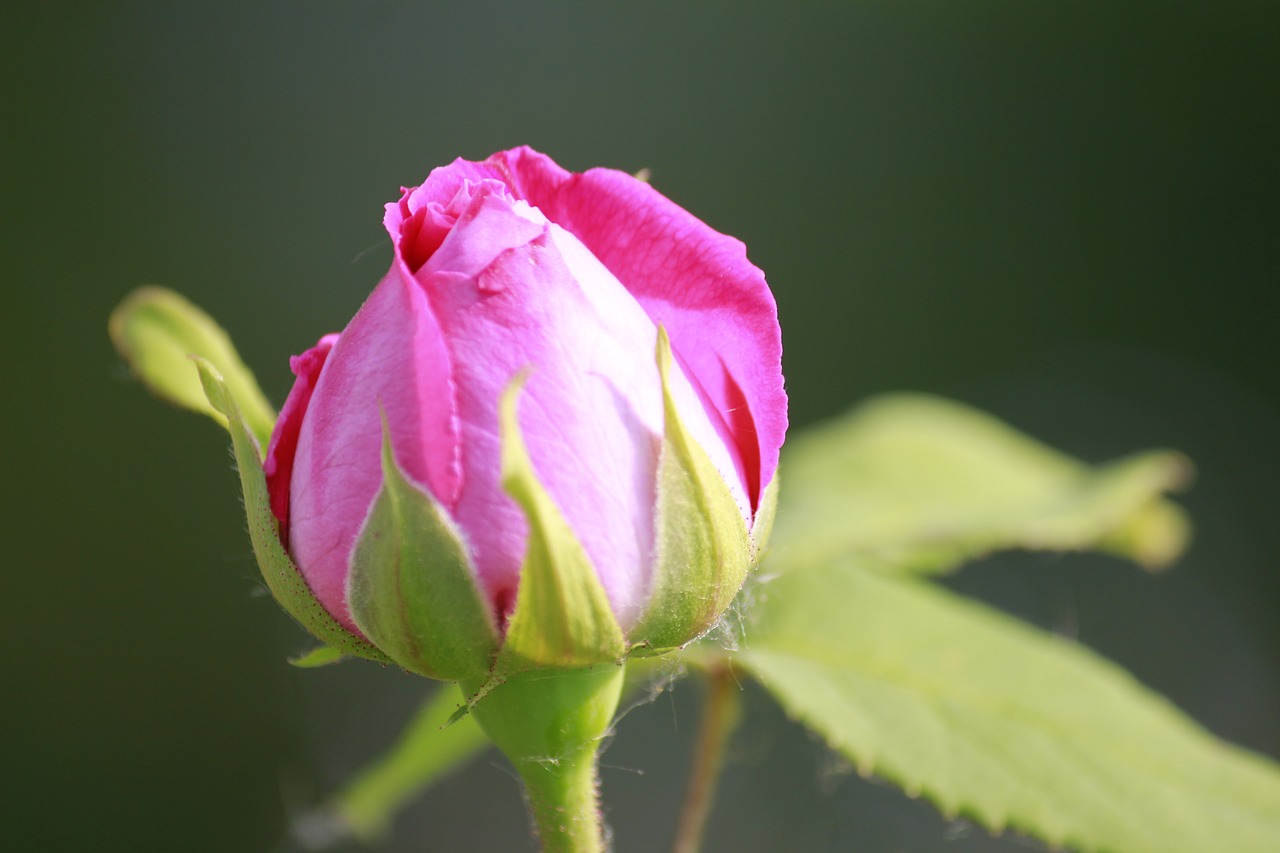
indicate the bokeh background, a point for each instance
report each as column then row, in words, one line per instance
column 1068, row 214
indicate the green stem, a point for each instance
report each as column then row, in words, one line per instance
column 720, row 714
column 549, row 723
column 564, row 802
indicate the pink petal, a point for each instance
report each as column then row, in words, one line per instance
column 278, row 465
column 419, row 222
column 390, row 359
column 512, row 291
column 698, row 283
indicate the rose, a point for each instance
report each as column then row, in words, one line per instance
column 651, row 460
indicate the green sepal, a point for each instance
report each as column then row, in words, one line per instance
column 562, row 616
column 155, row 330
column 762, row 524
column 412, row 589
column 317, row 657
column 282, row 577
column 704, row 551
column 542, row 717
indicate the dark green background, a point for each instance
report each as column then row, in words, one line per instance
column 1065, row 213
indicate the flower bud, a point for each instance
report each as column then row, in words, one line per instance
column 547, row 437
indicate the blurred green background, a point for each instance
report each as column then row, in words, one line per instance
column 1068, row 214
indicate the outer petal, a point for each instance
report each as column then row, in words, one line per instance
column 281, row 574
column 696, row 282
column 278, row 465
column 390, row 359
column 512, row 290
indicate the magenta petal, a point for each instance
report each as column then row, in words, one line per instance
column 695, row 281
column 278, row 464
column 512, row 291
column 389, row 360
column 420, row 221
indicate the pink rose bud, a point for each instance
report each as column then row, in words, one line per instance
column 560, row 373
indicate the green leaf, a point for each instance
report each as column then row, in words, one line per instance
column 155, row 330
column 704, row 552
column 997, row 721
column 562, row 616
column 412, row 589
column 917, row 483
column 319, row 656
column 281, row 575
column 427, row 750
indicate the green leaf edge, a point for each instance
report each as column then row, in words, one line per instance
column 412, row 589
column 282, row 577
column 1140, row 523
column 868, row 763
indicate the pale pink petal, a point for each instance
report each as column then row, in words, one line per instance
column 696, row 282
column 391, row 360
column 482, row 286
column 513, row 291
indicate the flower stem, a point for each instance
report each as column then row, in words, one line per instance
column 720, row 714
column 564, row 803
column 549, row 723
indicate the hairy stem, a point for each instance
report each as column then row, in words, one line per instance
column 720, row 713
column 550, row 723
column 564, row 803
